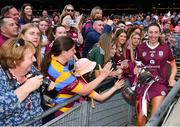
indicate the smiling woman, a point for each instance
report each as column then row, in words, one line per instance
column 154, row 56
column 67, row 83
column 31, row 33
column 26, row 14
column 19, row 98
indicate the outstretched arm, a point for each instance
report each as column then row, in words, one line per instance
column 108, row 93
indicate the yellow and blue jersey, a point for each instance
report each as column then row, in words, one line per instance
column 66, row 84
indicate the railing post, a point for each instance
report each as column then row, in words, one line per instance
column 130, row 114
column 154, row 120
column 84, row 114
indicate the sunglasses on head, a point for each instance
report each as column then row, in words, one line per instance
column 69, row 10
column 20, row 42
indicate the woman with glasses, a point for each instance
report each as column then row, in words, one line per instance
column 69, row 8
column 19, row 98
column 35, row 21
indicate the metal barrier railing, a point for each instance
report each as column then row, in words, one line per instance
column 154, row 120
column 51, row 110
column 105, row 84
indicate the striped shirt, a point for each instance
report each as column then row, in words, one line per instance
column 66, row 83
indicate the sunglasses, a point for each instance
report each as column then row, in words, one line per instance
column 20, row 42
column 69, row 10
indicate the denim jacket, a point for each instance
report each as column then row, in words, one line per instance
column 13, row 112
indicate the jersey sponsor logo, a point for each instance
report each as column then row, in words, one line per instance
column 152, row 54
column 161, row 53
column 152, row 61
column 144, row 54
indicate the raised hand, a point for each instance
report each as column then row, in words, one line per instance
column 78, row 21
column 119, row 84
column 106, row 69
column 124, row 64
column 116, row 73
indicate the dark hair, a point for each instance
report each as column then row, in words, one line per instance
column 60, row 44
column 25, row 5
column 157, row 25
column 6, row 9
column 118, row 32
column 154, row 24
column 23, row 15
column 131, row 30
column 56, row 26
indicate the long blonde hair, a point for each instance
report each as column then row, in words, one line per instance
column 65, row 7
column 130, row 45
column 38, row 48
column 105, row 42
column 94, row 11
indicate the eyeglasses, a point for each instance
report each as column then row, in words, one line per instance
column 69, row 10
column 20, row 42
column 35, row 21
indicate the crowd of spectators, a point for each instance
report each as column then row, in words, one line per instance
column 77, row 52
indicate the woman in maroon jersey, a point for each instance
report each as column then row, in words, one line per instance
column 154, row 56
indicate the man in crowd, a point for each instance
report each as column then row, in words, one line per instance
column 10, row 12
column 92, row 36
column 8, row 29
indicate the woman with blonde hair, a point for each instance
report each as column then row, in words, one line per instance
column 31, row 33
column 131, row 55
column 96, row 13
column 134, row 41
column 69, row 8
